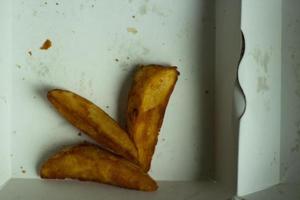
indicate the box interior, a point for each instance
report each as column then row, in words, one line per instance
column 96, row 46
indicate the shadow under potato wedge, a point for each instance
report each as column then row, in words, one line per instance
column 93, row 121
column 147, row 101
column 87, row 162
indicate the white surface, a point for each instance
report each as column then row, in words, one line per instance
column 278, row 192
column 5, row 63
column 96, row 46
column 87, row 37
column 260, row 77
column 29, row 189
column 228, row 41
column 290, row 137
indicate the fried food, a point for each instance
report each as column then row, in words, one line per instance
column 87, row 162
column 147, row 102
column 93, row 121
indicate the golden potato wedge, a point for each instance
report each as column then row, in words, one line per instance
column 87, row 162
column 148, row 98
column 93, row 121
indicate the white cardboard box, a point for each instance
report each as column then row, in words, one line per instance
column 204, row 151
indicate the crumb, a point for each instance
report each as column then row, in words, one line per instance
column 30, row 53
column 47, row 44
column 106, row 106
column 132, row 30
column 79, row 134
column 57, row 3
column 117, row 60
column 23, row 171
column 133, row 16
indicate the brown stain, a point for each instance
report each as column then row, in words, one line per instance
column 46, row 45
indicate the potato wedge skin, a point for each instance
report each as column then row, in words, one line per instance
column 87, row 162
column 148, row 98
column 93, row 121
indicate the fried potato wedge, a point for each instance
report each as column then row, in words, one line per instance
column 148, row 98
column 87, row 162
column 93, row 121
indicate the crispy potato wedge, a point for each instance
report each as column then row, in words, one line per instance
column 87, row 162
column 147, row 102
column 93, row 121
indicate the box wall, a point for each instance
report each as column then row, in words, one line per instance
column 290, row 132
column 5, row 65
column 260, row 77
column 228, row 43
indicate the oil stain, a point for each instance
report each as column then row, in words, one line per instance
column 3, row 98
column 262, row 84
column 143, row 9
column 261, row 58
column 158, row 11
column 297, row 77
column 146, row 8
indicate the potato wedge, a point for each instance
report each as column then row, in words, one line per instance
column 87, row 162
column 147, row 102
column 93, row 121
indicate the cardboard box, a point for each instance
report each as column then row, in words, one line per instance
column 229, row 131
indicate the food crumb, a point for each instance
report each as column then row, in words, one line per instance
column 30, row 53
column 79, row 134
column 117, row 60
column 132, row 30
column 23, row 171
column 106, row 106
column 46, row 45
column 133, row 16
column 57, row 3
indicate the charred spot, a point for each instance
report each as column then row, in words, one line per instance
column 134, row 113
